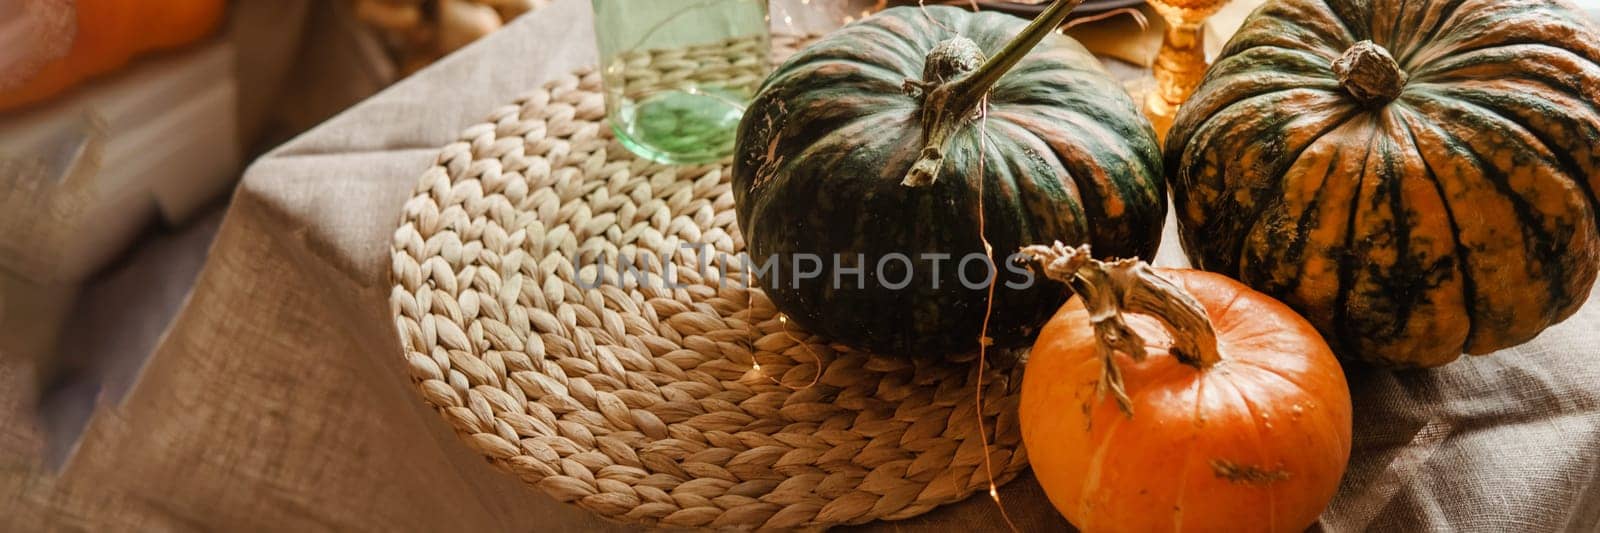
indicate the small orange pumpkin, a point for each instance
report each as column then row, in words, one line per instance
column 109, row 34
column 1234, row 417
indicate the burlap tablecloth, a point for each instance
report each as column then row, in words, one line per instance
column 277, row 401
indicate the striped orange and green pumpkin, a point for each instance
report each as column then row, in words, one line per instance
column 867, row 144
column 1417, row 177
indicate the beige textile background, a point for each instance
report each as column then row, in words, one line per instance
column 277, row 400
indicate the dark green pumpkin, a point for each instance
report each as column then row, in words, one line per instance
column 825, row 157
column 1416, row 177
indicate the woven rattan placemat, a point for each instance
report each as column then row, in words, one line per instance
column 694, row 405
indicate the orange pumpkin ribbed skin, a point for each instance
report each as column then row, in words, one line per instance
column 1257, row 442
column 110, row 33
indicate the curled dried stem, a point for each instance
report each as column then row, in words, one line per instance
column 1109, row 290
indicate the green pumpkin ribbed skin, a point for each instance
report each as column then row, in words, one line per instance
column 825, row 145
column 1459, row 217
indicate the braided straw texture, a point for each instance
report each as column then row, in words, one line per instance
column 733, row 64
column 644, row 402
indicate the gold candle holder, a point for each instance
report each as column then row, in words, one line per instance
column 1182, row 61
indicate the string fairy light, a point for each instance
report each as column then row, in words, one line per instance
column 783, row 322
column 923, row 5
column 1138, row 18
column 984, row 341
column 983, row 334
column 988, row 312
column 783, row 325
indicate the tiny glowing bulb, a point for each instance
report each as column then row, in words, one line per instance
column 756, row 366
column 994, row 493
column 783, row 319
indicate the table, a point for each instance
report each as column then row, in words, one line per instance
column 277, row 399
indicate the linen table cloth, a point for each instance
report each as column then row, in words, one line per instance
column 279, row 400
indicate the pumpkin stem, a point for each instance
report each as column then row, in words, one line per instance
column 951, row 89
column 1370, row 74
column 1110, row 290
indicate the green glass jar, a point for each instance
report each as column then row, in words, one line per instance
column 679, row 73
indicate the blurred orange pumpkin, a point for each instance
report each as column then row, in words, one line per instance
column 1235, row 416
column 109, row 34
